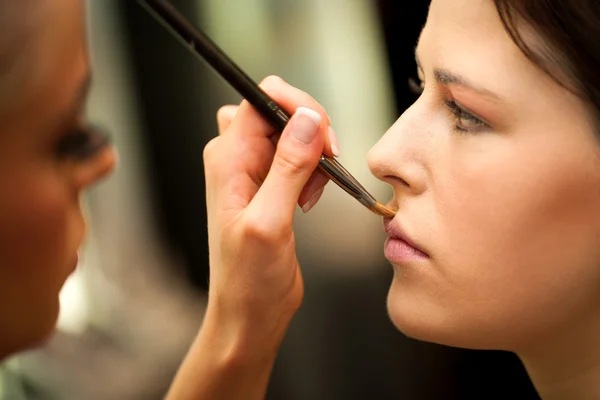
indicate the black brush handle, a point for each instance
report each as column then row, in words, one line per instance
column 202, row 45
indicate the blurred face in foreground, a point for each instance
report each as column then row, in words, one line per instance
column 48, row 157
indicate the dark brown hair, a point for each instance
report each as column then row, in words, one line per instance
column 568, row 41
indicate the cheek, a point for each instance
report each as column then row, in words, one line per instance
column 41, row 228
column 518, row 233
column 520, row 208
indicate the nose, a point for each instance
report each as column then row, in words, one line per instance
column 400, row 156
column 96, row 168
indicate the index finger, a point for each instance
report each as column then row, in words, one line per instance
column 249, row 124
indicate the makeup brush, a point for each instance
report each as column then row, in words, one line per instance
column 201, row 45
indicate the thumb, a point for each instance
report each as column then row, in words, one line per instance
column 297, row 155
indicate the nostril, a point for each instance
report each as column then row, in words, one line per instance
column 392, row 179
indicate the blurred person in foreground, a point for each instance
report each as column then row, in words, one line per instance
column 495, row 171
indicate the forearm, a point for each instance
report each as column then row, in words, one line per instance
column 226, row 364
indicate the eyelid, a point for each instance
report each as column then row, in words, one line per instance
column 456, row 107
column 471, row 113
column 459, row 113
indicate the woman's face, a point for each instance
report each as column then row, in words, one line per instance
column 496, row 175
column 45, row 164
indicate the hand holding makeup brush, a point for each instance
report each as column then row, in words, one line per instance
column 256, row 286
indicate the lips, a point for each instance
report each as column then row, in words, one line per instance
column 399, row 246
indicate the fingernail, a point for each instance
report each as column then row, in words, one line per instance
column 313, row 200
column 335, row 147
column 306, row 125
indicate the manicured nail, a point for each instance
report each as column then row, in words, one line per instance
column 335, row 147
column 305, row 125
column 313, row 200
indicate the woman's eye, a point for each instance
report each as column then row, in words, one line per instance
column 464, row 120
column 81, row 143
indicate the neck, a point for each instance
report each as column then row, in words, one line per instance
column 566, row 366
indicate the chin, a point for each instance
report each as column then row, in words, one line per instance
column 37, row 331
column 420, row 316
column 47, row 331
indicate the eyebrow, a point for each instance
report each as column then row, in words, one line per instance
column 445, row 77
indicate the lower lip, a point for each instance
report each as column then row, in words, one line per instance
column 397, row 251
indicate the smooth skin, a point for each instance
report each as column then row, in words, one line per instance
column 497, row 180
column 42, row 224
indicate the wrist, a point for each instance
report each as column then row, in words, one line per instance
column 242, row 340
column 227, row 361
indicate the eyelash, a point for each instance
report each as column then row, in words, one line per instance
column 458, row 112
column 81, row 143
column 460, row 115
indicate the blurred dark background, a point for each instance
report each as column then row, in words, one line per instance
column 341, row 344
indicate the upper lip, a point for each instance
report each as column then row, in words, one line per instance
column 395, row 231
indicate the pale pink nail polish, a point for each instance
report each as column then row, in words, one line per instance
column 335, row 147
column 313, row 200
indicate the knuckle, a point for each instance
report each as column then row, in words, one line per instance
column 209, row 152
column 272, row 81
column 279, row 89
column 275, row 87
column 287, row 165
column 259, row 232
column 256, row 230
column 223, row 112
